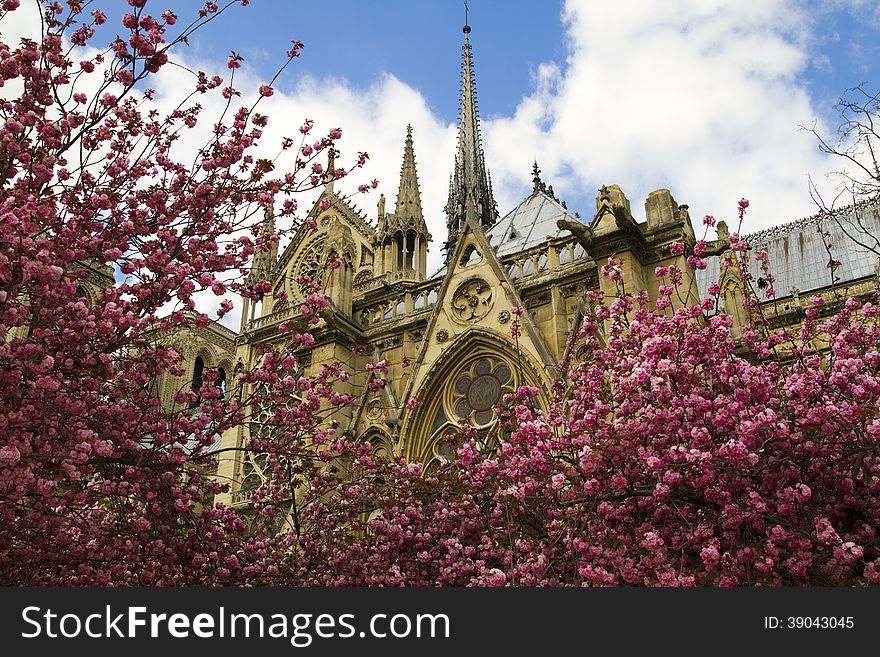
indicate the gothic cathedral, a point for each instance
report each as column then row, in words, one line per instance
column 445, row 336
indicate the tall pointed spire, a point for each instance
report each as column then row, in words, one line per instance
column 403, row 234
column 264, row 259
column 470, row 180
column 330, row 173
column 408, row 209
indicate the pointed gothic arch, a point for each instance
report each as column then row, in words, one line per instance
column 462, row 386
column 383, row 445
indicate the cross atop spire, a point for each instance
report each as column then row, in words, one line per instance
column 538, row 184
column 471, row 184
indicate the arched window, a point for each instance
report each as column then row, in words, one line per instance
column 82, row 293
column 311, row 264
column 543, row 262
column 380, row 443
column 253, row 474
column 565, row 255
column 221, row 382
column 198, row 377
column 409, row 257
column 469, row 396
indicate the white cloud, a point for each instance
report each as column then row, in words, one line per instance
column 22, row 23
column 702, row 97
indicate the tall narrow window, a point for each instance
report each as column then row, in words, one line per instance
column 198, row 379
column 410, row 249
column 221, row 382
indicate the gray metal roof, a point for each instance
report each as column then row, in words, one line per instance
column 530, row 223
column 798, row 257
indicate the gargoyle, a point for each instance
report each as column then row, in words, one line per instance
column 582, row 232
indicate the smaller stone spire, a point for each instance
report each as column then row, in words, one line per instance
column 408, row 209
column 330, row 173
column 264, row 261
column 403, row 234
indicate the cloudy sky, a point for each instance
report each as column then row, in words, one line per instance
column 704, row 97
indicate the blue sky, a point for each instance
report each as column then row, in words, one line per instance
column 419, row 42
column 703, row 97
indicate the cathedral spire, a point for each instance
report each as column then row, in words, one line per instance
column 262, row 265
column 404, row 235
column 408, row 209
column 265, row 258
column 470, row 180
column 330, row 173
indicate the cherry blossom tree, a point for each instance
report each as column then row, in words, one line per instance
column 98, row 483
column 671, row 454
column 855, row 145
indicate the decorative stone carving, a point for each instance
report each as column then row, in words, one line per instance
column 572, row 290
column 389, row 343
column 472, row 300
column 504, row 317
column 442, row 335
column 375, row 411
column 539, row 299
column 187, row 345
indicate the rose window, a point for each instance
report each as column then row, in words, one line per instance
column 312, row 265
column 478, row 388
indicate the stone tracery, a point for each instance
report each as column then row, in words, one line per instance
column 472, row 300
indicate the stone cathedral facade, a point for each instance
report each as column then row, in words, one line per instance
column 446, row 335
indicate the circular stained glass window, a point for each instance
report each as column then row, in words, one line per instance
column 483, row 392
column 478, row 388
